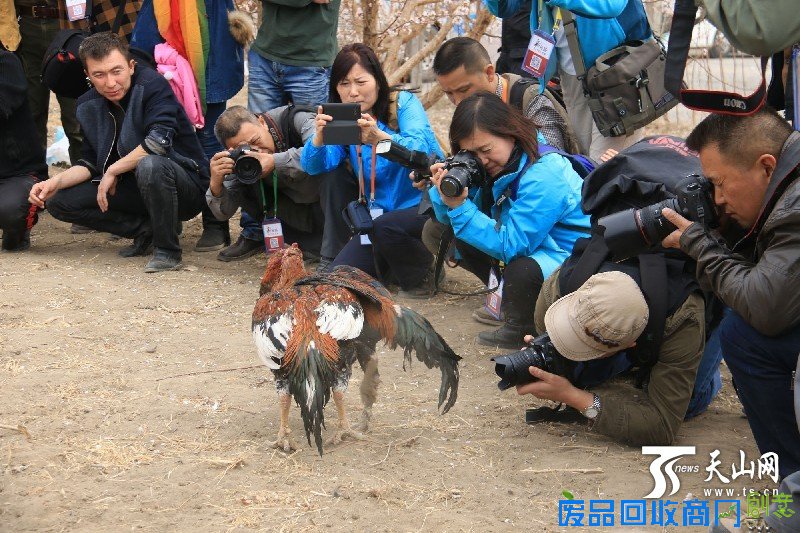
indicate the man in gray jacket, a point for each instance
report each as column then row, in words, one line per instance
column 752, row 162
column 309, row 207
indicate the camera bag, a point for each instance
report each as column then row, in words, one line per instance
column 643, row 174
column 356, row 214
column 625, row 86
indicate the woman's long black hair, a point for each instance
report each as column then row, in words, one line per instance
column 359, row 53
column 484, row 110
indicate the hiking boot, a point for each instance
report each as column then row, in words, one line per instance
column 213, row 238
column 142, row 245
column 163, row 262
column 242, row 249
column 424, row 290
column 77, row 229
column 483, row 316
column 16, row 241
column 324, row 264
column 506, row 336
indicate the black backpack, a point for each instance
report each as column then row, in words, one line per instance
column 643, row 174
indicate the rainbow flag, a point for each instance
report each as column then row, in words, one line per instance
column 184, row 25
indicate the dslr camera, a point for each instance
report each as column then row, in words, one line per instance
column 463, row 170
column 512, row 369
column 246, row 168
column 629, row 233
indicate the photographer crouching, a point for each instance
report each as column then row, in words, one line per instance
column 261, row 173
column 752, row 163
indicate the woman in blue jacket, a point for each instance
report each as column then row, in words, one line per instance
column 527, row 215
column 397, row 251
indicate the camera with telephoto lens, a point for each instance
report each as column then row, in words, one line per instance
column 512, row 369
column 629, row 233
column 463, row 170
column 246, row 168
column 419, row 162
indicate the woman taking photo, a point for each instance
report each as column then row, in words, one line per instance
column 397, row 252
column 526, row 216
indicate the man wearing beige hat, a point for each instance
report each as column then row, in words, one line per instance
column 593, row 327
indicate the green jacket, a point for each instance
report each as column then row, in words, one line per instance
column 298, row 32
column 650, row 418
column 755, row 26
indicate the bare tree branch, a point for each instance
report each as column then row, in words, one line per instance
column 424, row 52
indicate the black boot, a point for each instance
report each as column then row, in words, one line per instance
column 163, row 261
column 16, row 241
column 506, row 336
column 242, row 249
column 142, row 245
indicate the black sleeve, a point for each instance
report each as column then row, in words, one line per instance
column 13, row 86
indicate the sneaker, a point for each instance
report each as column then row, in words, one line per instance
column 142, row 245
column 77, row 229
column 213, row 238
column 485, row 317
column 16, row 241
column 241, row 249
column 507, row 337
column 163, row 262
column 424, row 290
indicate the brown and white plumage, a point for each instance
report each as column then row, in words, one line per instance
column 310, row 329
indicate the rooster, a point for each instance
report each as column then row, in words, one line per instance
column 310, row 329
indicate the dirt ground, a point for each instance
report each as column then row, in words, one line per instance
column 146, row 409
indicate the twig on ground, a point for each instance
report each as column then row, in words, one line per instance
column 210, row 371
column 18, row 428
column 572, row 470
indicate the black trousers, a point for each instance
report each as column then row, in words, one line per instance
column 522, row 281
column 159, row 195
column 16, row 214
column 397, row 252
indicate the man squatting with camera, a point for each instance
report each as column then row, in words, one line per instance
column 309, row 207
column 752, row 162
column 143, row 169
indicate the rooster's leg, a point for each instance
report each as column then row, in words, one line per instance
column 343, row 430
column 369, row 392
column 284, row 441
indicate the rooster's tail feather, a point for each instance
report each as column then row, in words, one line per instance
column 310, row 385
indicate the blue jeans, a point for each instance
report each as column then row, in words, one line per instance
column 272, row 84
column 708, row 382
column 762, row 369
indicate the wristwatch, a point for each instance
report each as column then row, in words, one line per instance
column 593, row 411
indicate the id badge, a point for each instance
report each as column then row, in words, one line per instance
column 538, row 54
column 273, row 234
column 374, row 212
column 494, row 299
column 76, row 9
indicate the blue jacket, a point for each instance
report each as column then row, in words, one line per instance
column 393, row 187
column 602, row 24
column 225, row 61
column 541, row 222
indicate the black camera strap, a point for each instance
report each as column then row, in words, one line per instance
column 680, row 37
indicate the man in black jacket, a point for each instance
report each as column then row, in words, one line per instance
column 21, row 154
column 143, row 169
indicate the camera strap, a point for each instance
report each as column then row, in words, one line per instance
column 362, row 195
column 274, row 196
column 271, row 226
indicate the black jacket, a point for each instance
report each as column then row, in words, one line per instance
column 21, row 150
column 153, row 119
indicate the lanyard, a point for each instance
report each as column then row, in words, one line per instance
column 274, row 195
column 556, row 21
column 361, row 187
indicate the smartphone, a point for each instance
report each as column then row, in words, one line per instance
column 343, row 129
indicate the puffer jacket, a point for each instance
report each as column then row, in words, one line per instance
column 542, row 221
column 178, row 72
column 763, row 288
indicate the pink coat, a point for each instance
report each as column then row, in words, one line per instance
column 177, row 70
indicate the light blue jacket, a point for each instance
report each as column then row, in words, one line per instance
column 602, row 24
column 543, row 221
column 393, row 188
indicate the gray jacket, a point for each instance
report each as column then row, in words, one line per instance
column 762, row 289
column 298, row 186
